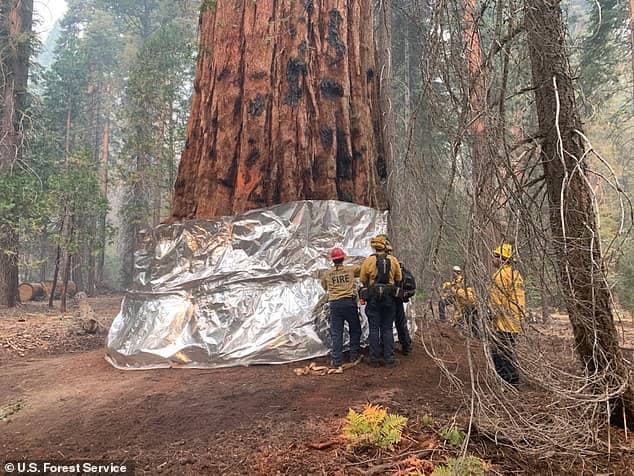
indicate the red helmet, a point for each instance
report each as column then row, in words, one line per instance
column 337, row 253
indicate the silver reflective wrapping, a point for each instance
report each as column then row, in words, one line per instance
column 237, row 290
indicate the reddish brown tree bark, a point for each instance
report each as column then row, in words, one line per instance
column 572, row 215
column 284, row 107
column 15, row 27
column 482, row 160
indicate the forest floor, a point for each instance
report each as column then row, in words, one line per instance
column 60, row 400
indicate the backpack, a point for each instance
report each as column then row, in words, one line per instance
column 383, row 265
column 381, row 288
column 409, row 282
column 407, row 287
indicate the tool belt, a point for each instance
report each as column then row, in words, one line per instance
column 348, row 298
column 380, row 292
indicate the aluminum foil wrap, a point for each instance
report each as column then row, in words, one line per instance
column 239, row 290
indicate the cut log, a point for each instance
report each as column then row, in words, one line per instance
column 30, row 291
column 48, row 285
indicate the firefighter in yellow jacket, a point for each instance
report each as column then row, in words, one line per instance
column 465, row 310
column 463, row 299
column 379, row 273
column 507, row 303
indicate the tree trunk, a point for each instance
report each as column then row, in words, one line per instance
column 573, row 220
column 386, row 133
column 55, row 277
column 44, row 255
column 481, row 157
column 103, row 229
column 65, row 279
column 67, row 219
column 283, row 108
column 8, row 266
column 91, row 280
column 16, row 18
column 632, row 44
column 78, row 270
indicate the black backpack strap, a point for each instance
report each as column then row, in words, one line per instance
column 383, row 265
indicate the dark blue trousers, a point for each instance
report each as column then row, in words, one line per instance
column 344, row 310
column 442, row 309
column 503, row 350
column 401, row 326
column 381, row 324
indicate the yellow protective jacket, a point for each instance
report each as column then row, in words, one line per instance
column 338, row 281
column 369, row 272
column 449, row 288
column 507, row 299
column 464, row 297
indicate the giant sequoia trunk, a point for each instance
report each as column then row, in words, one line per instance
column 482, row 159
column 283, row 109
column 572, row 215
column 15, row 28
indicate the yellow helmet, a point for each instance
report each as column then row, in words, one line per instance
column 505, row 251
column 379, row 243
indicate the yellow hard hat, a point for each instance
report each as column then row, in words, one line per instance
column 379, row 243
column 505, row 251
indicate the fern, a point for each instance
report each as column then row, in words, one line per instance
column 374, row 427
column 392, row 430
column 427, row 421
column 453, row 436
column 469, row 466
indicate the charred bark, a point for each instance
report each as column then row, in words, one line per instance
column 283, row 108
column 572, row 214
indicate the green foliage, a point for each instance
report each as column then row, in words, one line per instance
column 374, row 427
column 208, row 5
column 22, row 204
column 121, row 63
column 469, row 466
column 427, row 421
column 625, row 277
column 453, row 436
column 605, row 47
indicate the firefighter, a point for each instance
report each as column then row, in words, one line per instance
column 379, row 273
column 400, row 320
column 448, row 292
column 339, row 283
column 507, row 303
column 464, row 303
column 465, row 310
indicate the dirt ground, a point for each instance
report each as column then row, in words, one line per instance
column 71, row 404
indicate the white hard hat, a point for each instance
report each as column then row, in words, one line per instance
column 457, row 269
